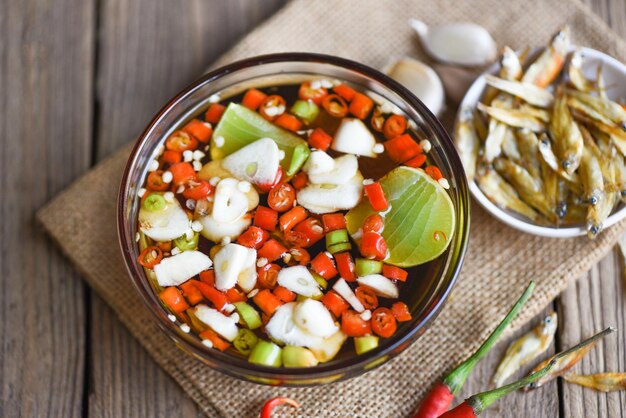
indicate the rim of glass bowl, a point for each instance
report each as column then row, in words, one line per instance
column 240, row 367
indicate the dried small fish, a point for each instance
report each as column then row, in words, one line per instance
column 601, row 87
column 526, row 349
column 529, row 188
column 504, row 195
column 608, row 108
column 591, row 177
column 617, row 135
column 548, row 65
column 602, row 382
column 461, row 43
column 567, row 360
column 552, row 188
column 420, row 79
column 514, row 118
column 541, row 114
column 588, row 111
column 528, row 92
column 546, row 152
column 528, row 145
column 467, row 143
column 576, row 74
column 510, row 65
column 597, row 214
column 509, row 146
column 493, row 143
column 479, row 124
column 568, row 141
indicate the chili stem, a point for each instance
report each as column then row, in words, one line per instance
column 481, row 401
column 457, row 377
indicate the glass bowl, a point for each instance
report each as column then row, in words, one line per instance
column 427, row 297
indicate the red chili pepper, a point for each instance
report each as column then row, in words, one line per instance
column 416, row 161
column 281, row 197
column 306, row 92
column 441, row 395
column 373, row 223
column 172, row 157
column 345, row 266
column 395, row 273
column 265, row 218
column 181, row 141
column 333, row 221
column 217, row 298
column 373, row 245
column 311, row 229
column 401, row 312
column 200, row 130
column 272, row 250
column 323, row 265
column 264, row 188
column 376, row 196
column 198, row 190
column 353, row 325
column 300, row 180
column 267, row 275
column 182, row 172
column 320, row 139
column 253, row 98
column 155, row 181
column 402, row 148
column 335, row 303
column 150, row 256
column 345, row 91
column 394, row 125
column 253, row 237
column 292, row 218
column 214, row 113
column 266, row 412
column 335, row 106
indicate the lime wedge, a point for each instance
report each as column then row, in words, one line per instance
column 420, row 222
column 240, row 126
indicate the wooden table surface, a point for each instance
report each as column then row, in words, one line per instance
column 78, row 78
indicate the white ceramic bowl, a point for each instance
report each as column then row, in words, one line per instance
column 614, row 73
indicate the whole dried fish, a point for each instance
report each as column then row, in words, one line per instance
column 529, row 188
column 608, row 108
column 591, row 177
column 503, row 194
column 514, row 118
column 526, row 349
column 528, row 92
column 467, row 143
column 548, row 65
column 510, row 65
column 602, row 382
column 493, row 143
column 576, row 74
column 568, row 141
column 528, row 145
column 567, row 361
column 510, row 147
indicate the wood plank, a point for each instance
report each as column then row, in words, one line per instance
column 148, row 51
column 46, row 57
column 536, row 404
column 597, row 301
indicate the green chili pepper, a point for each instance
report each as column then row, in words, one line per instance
column 320, row 280
column 339, row 248
column 300, row 155
column 298, row 357
column 245, row 341
column 305, row 110
column 365, row 267
column 266, row 353
column 186, row 245
column 154, row 202
column 364, row 344
column 338, row 236
column 248, row 315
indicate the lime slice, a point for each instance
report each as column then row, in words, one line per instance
column 420, row 222
column 240, row 126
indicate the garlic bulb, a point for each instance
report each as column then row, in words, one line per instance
column 421, row 80
column 463, row 43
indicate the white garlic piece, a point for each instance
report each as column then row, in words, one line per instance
column 421, row 80
column 463, row 43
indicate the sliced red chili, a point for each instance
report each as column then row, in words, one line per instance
column 306, row 92
column 155, row 182
column 383, row 322
column 373, row 223
column 281, row 197
column 267, row 275
column 373, row 246
column 150, row 256
column 335, row 106
column 367, row 297
column 181, row 141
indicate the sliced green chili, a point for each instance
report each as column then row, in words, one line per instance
column 154, row 202
column 266, row 353
column 245, row 341
column 339, row 248
column 365, row 344
column 248, row 315
column 365, row 267
column 338, row 236
column 298, row 357
column 183, row 244
column 305, row 110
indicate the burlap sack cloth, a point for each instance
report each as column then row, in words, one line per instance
column 499, row 262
